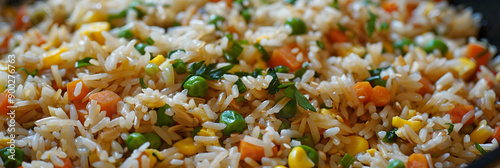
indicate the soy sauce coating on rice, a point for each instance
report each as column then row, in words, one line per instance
column 246, row 83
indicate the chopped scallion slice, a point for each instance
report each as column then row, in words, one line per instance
column 298, row 26
column 347, row 160
column 83, row 62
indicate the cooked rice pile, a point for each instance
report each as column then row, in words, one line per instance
column 436, row 102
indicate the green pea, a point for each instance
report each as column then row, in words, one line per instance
column 135, row 140
column 306, row 140
column 126, row 33
column 234, row 122
column 153, row 139
column 298, row 26
column 197, row 86
column 311, row 153
column 140, row 47
column 151, row 69
column 395, row 163
column 289, row 110
column 436, row 44
column 179, row 66
column 282, row 69
column 17, row 154
column 195, row 131
column 162, row 118
column 402, row 45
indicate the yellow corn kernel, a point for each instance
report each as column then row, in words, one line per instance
column 481, row 133
column 206, row 132
column 298, row 159
column 156, row 104
column 261, row 37
column 152, row 158
column 333, row 113
column 3, row 142
column 371, row 151
column 466, row 68
column 412, row 113
column 93, row 31
column 200, row 115
column 187, row 146
column 236, row 68
column 54, row 57
column 158, row 60
column 93, row 158
column 358, row 144
column 167, row 73
column 90, row 16
column 280, row 166
column 399, row 122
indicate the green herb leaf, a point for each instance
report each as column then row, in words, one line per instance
column 347, row 160
column 150, row 41
column 320, row 44
column 384, row 26
column 144, row 86
column 390, row 136
column 262, row 51
column 241, row 74
column 257, row 72
column 126, row 33
column 479, row 148
column 374, row 72
column 376, row 80
column 208, row 71
column 286, row 85
column 33, row 74
column 299, row 73
column 233, row 53
column 370, row 24
column 214, row 19
column 302, row 100
column 246, row 15
column 83, row 62
column 450, row 129
column 243, row 42
column 241, row 87
column 334, row 4
column 275, row 82
column 342, row 28
column 290, row 1
column 289, row 92
column 240, row 99
column 229, row 37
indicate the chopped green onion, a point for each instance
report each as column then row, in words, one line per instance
column 390, row 136
column 285, row 124
column 282, row 69
column 122, row 14
column 306, row 140
column 33, row 74
column 174, row 51
column 347, row 160
column 320, row 44
column 233, row 53
column 246, row 15
column 144, row 86
column 12, row 159
column 241, row 87
column 257, row 72
column 384, row 26
column 163, row 118
column 229, row 37
column 243, row 42
column 403, row 45
column 126, row 33
column 140, row 47
column 334, row 4
column 83, row 62
column 275, row 82
column 436, row 44
column 195, row 131
column 370, row 24
column 376, row 80
column 150, row 41
column 479, row 148
column 262, row 51
column 342, row 28
column 179, row 66
column 214, row 19
column 286, row 85
column 325, row 107
column 293, row 93
column 299, row 73
column 240, row 99
column 298, row 26
column 151, row 69
column 450, row 129
column 290, row 1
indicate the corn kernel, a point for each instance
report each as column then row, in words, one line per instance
column 54, row 57
column 156, row 104
column 466, row 68
column 187, row 146
column 298, row 159
column 280, row 166
column 399, row 122
column 481, row 133
column 333, row 113
column 152, row 158
column 358, row 144
column 93, row 31
column 206, row 132
column 412, row 113
column 158, row 60
column 167, row 73
column 90, row 16
column 371, row 152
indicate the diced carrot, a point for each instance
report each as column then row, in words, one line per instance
column 4, row 103
column 285, row 56
column 337, row 36
column 81, row 110
column 67, row 164
column 107, row 100
column 478, row 53
column 417, row 160
column 389, row 6
column 4, row 45
column 253, row 151
column 380, row 96
column 457, row 113
column 22, row 19
column 427, row 88
column 72, row 88
column 496, row 134
column 363, row 90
